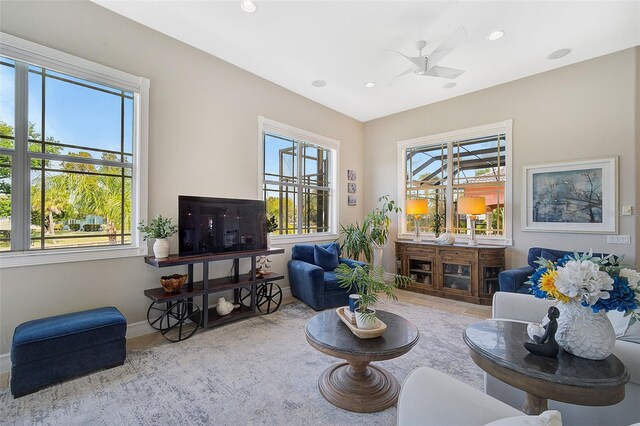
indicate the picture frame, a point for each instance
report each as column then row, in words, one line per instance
column 351, row 200
column 351, row 187
column 351, row 175
column 573, row 196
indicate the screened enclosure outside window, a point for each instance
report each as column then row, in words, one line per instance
column 458, row 165
column 68, row 160
column 297, row 183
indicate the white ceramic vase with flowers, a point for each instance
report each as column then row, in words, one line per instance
column 160, row 228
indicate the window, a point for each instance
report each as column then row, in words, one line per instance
column 471, row 163
column 72, row 146
column 298, row 179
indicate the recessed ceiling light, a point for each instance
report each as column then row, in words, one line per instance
column 248, row 6
column 495, row 35
column 318, row 83
column 370, row 84
column 559, row 54
column 450, row 85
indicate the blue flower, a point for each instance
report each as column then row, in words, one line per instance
column 621, row 298
column 563, row 260
column 535, row 283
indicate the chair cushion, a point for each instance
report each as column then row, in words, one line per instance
column 304, row 252
column 331, row 282
column 49, row 337
column 326, row 258
column 549, row 256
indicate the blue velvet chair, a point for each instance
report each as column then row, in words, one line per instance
column 513, row 280
column 312, row 284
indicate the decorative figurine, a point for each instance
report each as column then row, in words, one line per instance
column 446, row 239
column 263, row 266
column 224, row 308
column 546, row 344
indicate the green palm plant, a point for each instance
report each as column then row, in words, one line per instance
column 368, row 283
column 356, row 241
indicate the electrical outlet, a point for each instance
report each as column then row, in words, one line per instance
column 618, row 239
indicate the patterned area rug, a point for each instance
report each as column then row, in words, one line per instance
column 257, row 371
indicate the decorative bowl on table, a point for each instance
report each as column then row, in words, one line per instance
column 173, row 283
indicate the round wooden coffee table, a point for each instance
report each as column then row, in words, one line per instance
column 498, row 348
column 356, row 385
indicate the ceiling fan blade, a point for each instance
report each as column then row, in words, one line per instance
column 417, row 60
column 447, row 47
column 402, row 74
column 444, row 72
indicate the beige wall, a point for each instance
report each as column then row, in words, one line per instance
column 202, row 141
column 585, row 110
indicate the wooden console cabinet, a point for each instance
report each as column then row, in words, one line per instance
column 458, row 272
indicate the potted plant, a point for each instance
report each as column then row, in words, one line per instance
column 378, row 223
column 160, row 228
column 272, row 226
column 368, row 282
column 356, row 241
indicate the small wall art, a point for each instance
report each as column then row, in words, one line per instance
column 351, row 200
column 351, row 175
column 351, row 188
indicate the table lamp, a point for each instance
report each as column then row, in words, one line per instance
column 472, row 206
column 416, row 208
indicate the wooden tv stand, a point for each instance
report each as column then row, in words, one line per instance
column 201, row 289
column 459, row 271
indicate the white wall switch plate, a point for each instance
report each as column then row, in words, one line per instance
column 627, row 211
column 618, row 239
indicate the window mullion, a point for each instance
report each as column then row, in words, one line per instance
column 449, row 191
column 299, row 185
column 20, row 187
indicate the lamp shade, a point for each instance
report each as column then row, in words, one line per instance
column 417, row 206
column 472, row 205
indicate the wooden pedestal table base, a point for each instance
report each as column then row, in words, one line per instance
column 359, row 387
column 356, row 385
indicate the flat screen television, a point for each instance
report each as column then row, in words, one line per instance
column 217, row 225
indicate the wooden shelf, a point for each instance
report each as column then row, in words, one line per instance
column 236, row 314
column 422, row 271
column 176, row 260
column 466, row 277
column 158, row 295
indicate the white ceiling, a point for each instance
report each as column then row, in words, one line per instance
column 292, row 43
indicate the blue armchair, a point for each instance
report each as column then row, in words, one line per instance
column 312, row 284
column 513, row 280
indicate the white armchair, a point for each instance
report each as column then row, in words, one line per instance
column 429, row 397
column 526, row 308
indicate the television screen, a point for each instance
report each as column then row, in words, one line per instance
column 216, row 225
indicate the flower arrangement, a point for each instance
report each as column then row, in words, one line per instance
column 600, row 283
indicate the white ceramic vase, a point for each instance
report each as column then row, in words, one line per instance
column 364, row 323
column 584, row 333
column 378, row 251
column 161, row 248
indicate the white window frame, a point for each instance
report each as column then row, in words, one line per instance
column 266, row 125
column 42, row 56
column 505, row 127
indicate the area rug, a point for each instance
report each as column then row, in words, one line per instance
column 257, row 371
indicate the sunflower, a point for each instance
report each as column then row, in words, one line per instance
column 547, row 284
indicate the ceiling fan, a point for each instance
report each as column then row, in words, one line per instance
column 427, row 65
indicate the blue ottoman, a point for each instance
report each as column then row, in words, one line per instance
column 49, row 350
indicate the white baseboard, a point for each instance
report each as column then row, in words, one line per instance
column 136, row 329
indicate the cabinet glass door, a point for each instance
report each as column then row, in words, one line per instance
column 456, row 276
column 490, row 279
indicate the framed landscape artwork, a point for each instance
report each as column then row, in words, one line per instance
column 576, row 196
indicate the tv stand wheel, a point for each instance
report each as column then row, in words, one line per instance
column 269, row 298
column 180, row 321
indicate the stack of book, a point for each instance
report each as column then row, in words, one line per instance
column 349, row 315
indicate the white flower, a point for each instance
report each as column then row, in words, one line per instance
column 632, row 276
column 583, row 281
